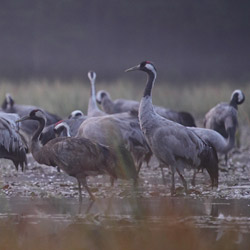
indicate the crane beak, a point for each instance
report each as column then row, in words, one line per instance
column 137, row 67
column 24, row 118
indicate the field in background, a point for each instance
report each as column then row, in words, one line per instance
column 61, row 97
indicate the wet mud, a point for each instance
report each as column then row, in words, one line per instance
column 42, row 203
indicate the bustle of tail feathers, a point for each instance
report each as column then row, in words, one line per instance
column 209, row 161
column 125, row 166
column 187, row 119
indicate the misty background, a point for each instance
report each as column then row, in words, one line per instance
column 189, row 41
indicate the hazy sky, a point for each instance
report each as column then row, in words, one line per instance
column 187, row 40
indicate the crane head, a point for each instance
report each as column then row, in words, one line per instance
column 238, row 96
column 35, row 114
column 91, row 75
column 100, row 95
column 144, row 66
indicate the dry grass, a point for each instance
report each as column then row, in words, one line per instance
column 62, row 98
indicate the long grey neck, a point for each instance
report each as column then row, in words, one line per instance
column 108, row 105
column 92, row 105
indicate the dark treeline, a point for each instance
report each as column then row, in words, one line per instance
column 187, row 40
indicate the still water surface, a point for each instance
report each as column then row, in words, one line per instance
column 200, row 223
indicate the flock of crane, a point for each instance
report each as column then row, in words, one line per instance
column 118, row 139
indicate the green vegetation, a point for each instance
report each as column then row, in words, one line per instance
column 62, row 98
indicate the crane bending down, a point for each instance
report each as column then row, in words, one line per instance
column 223, row 118
column 173, row 144
column 78, row 157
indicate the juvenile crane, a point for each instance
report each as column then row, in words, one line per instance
column 173, row 144
column 78, row 157
column 223, row 117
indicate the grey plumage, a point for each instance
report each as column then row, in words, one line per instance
column 76, row 114
column 117, row 129
column 12, row 146
column 104, row 130
column 78, row 157
column 124, row 105
column 74, row 123
column 60, row 127
column 223, row 117
column 221, row 144
column 116, row 106
column 174, row 145
column 27, row 128
column 93, row 109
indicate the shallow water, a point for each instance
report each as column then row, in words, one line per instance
column 39, row 209
column 207, row 222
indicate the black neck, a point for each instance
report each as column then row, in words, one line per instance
column 233, row 103
column 39, row 129
column 150, row 83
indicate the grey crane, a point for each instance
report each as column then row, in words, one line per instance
column 221, row 144
column 118, row 129
column 60, row 127
column 114, row 130
column 77, row 118
column 12, row 146
column 78, row 157
column 124, row 105
column 223, row 117
column 173, row 144
column 76, row 114
column 104, row 130
column 129, row 170
column 93, row 109
column 116, row 106
column 28, row 127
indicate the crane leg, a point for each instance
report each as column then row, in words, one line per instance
column 112, row 180
column 84, row 183
column 162, row 174
column 193, row 179
column 79, row 191
column 139, row 168
column 226, row 158
column 172, row 183
column 183, row 181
